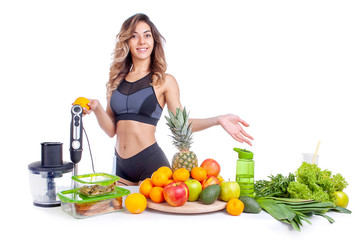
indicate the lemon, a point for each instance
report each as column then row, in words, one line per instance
column 341, row 199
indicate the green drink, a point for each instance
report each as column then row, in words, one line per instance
column 245, row 172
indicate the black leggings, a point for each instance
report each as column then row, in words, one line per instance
column 141, row 165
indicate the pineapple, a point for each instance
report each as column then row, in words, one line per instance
column 182, row 136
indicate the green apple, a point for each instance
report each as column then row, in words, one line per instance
column 194, row 189
column 229, row 190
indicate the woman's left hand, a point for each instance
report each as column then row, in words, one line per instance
column 232, row 125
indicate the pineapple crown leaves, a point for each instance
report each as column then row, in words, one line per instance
column 180, row 128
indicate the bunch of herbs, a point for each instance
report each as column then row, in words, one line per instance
column 275, row 187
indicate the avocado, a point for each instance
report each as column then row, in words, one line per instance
column 250, row 204
column 209, row 194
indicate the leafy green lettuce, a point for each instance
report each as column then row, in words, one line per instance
column 313, row 183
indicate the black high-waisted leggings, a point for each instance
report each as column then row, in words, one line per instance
column 142, row 164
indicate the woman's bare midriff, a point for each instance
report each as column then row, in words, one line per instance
column 133, row 137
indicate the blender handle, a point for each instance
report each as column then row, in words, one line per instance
column 76, row 132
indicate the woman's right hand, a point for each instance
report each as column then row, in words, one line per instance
column 93, row 104
column 104, row 118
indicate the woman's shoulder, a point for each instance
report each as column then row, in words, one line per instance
column 170, row 82
column 169, row 79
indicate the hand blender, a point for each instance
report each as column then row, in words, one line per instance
column 76, row 132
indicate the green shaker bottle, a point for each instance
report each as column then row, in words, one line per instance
column 245, row 172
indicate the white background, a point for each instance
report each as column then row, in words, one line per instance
column 289, row 68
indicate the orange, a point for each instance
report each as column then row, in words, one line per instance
column 166, row 170
column 83, row 102
column 135, row 203
column 198, row 173
column 169, row 181
column 235, row 207
column 145, row 187
column 181, row 175
column 159, row 179
column 156, row 194
column 220, row 178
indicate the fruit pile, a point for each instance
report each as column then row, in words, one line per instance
column 202, row 184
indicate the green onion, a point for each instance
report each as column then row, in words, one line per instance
column 295, row 211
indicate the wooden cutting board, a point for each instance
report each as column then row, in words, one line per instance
column 188, row 207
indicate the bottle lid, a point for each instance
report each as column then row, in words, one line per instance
column 244, row 154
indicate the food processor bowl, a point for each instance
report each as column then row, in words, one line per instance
column 49, row 176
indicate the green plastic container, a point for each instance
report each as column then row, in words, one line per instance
column 95, row 184
column 101, row 179
column 80, row 206
column 245, row 172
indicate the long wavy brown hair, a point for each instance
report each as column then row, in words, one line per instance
column 122, row 61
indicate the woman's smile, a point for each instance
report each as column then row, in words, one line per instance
column 142, row 49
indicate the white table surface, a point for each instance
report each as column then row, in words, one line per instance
column 152, row 224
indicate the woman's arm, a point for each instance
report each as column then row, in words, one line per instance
column 104, row 118
column 229, row 122
column 201, row 124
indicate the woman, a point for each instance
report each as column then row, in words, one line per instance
column 137, row 91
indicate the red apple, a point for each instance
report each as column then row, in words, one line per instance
column 211, row 166
column 176, row 193
column 211, row 180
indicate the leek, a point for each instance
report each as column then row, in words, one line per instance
column 295, row 211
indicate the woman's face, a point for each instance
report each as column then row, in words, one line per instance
column 141, row 42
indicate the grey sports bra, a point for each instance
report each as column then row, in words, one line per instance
column 136, row 101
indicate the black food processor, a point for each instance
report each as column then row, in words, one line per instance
column 50, row 175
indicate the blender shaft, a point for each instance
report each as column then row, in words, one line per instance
column 75, row 172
